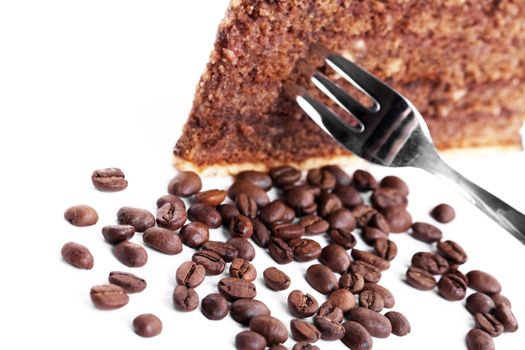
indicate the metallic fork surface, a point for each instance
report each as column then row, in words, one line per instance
column 392, row 133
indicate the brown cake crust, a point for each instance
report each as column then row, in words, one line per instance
column 461, row 62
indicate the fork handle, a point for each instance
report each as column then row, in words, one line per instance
column 509, row 218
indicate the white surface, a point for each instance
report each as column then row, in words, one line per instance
column 86, row 85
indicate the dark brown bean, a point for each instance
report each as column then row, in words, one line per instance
column 108, row 296
column 301, row 199
column 280, row 251
column 479, row 302
column 488, row 323
column 371, row 300
column 273, row 212
column 398, row 219
column 302, row 305
column 376, row 324
column 342, row 298
column 400, row 324
column 331, row 312
column 483, row 282
column 388, row 297
column 242, row 269
column 141, row 219
column 377, row 220
column 243, row 310
column 305, row 249
column 323, row 179
column 214, row 307
column 286, row 231
column 257, row 178
column 235, row 288
column 81, row 215
column 354, row 282
column 328, row 203
column 194, row 234
column 395, row 183
column 271, row 328
column 500, row 299
column 426, row 232
column 249, row 340
column 244, row 248
column 335, row 257
column 383, row 198
column 211, row 198
column 240, row 226
column 341, row 218
column 433, row 263
column 443, row 213
column 131, row 254
column 227, row 212
column 261, row 234
column 314, row 225
column 276, row 279
column 185, row 184
column 341, row 177
column 256, row 193
column 190, row 274
column 385, row 249
column 171, row 216
column 185, row 299
column 452, row 251
column 329, row 329
column 77, row 255
column 348, row 196
column 344, row 238
column 356, row 336
column 380, row 263
column 420, row 279
column 114, row 234
column 371, row 234
column 109, row 180
column 147, row 325
column 452, row 287
column 246, row 205
column 479, row 340
column 369, row 272
column 207, row 215
column 163, row 240
column 321, row 278
column 171, row 198
column 504, row 314
column 362, row 214
column 129, row 282
column 225, row 250
column 304, row 331
column 364, row 181
column 212, row 262
column 284, row 176
column 302, row 345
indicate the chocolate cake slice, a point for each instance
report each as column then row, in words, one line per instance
column 461, row 63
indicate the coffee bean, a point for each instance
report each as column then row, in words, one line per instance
column 235, row 288
column 385, row 249
column 302, row 305
column 341, row 177
column 356, row 336
column 171, row 198
column 335, row 257
column 249, row 340
column 383, row 198
column 426, row 232
column 388, row 297
column 227, row 212
column 243, row 310
column 301, row 199
column 321, row 278
column 131, row 254
column 284, row 176
column 488, row 323
column 194, row 234
column 400, row 324
column 479, row 340
column 190, row 274
column 349, row 196
column 141, row 219
column 369, row 272
column 207, row 215
column 452, row 251
column 108, row 296
column 480, row 303
column 376, row 324
column 277, row 347
column 171, row 216
column 211, row 198
column 500, row 299
column 343, row 237
column 370, row 258
column 280, row 251
column 303, row 331
column 244, row 248
column 261, row 234
column 81, row 215
column 271, row 328
column 327, row 203
column 433, row 263
column 257, row 178
column 443, row 213
column 185, row 184
column 398, row 219
column 504, row 314
column 305, row 249
column 185, row 299
column 362, row 214
column 77, row 255
column 225, row 250
column 323, row 179
column 302, row 345
column 483, row 282
column 256, row 193
column 329, row 329
column 354, row 282
column 246, row 205
column 276, row 279
column 341, row 218
column 342, row 299
column 114, row 234
column 147, row 325
column 371, row 300
column 378, row 221
column 240, row 226
column 395, row 183
column 331, row 312
column 273, row 212
column 314, row 225
column 240, row 268
column 129, row 282
column 163, row 240
column 452, row 287
column 109, row 180
column 420, row 279
column 286, row 231
column 212, row 262
column 214, row 307
column 364, row 181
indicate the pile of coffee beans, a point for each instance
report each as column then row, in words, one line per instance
column 327, row 202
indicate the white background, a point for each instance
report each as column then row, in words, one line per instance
column 93, row 84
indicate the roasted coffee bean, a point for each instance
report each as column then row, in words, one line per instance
column 77, row 255
column 114, row 234
column 109, row 180
column 273, row 212
column 342, row 299
column 348, row 196
column 108, row 296
column 343, row 237
column 171, row 198
column 479, row 340
column 246, row 205
column 284, row 176
column 81, row 215
column 190, row 274
column 212, row 262
column 305, row 249
column 240, row 268
column 227, row 212
column 500, row 299
column 211, row 198
column 194, row 234
column 261, row 234
column 341, row 218
column 225, row 250
column 304, row 331
column 379, row 222
column 289, row 215
column 235, row 288
column 243, row 310
column 271, row 328
column 280, row 251
column 362, row 214
column 379, row 263
column 287, row 232
column 398, row 219
column 256, row 193
column 327, row 203
column 369, row 272
column 420, row 279
column 301, row 199
column 214, row 306
column 314, row 225
column 129, row 282
column 171, row 216
column 249, row 340
column 452, row 287
column 388, row 297
column 163, row 240
column 480, row 303
column 302, row 305
column 383, row 198
column 240, row 226
column 244, row 248
column 504, row 314
column 354, row 282
column 141, row 219
column 452, row 251
column 400, row 324
column 376, row 324
column 329, row 329
column 356, row 336
column 323, row 179
column 185, row 184
column 207, row 215
column 321, row 278
column 371, row 300
column 453, row 270
column 433, row 263
column 488, row 323
column 335, row 257
column 426, row 232
column 257, row 178
column 131, row 254
column 385, row 249
column 443, row 213
column 483, row 282
column 185, row 299
column 302, row 345
column 364, row 181
column 331, row 312
column 341, row 177
column 395, row 183
column 147, row 325
column 276, row 279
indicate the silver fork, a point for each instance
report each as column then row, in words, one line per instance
column 392, row 133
